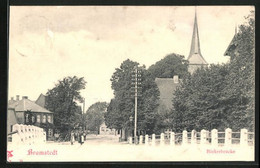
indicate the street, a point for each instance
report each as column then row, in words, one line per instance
column 108, row 148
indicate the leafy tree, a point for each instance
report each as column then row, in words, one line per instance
column 62, row 100
column 220, row 96
column 170, row 65
column 122, row 106
column 94, row 116
column 240, row 89
column 198, row 101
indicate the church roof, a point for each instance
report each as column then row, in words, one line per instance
column 195, row 56
column 26, row 104
column 166, row 87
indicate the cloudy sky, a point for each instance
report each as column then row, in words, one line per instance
column 47, row 43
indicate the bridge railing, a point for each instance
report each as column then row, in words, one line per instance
column 27, row 135
column 213, row 137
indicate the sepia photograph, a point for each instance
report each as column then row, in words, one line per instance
column 131, row 84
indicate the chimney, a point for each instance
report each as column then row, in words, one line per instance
column 17, row 97
column 12, row 98
column 176, row 79
column 25, row 97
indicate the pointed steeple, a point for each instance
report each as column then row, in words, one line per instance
column 195, row 56
column 195, row 42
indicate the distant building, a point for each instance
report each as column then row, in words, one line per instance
column 195, row 58
column 29, row 113
column 103, row 130
column 232, row 48
column 167, row 86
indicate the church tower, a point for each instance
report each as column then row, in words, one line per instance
column 195, row 58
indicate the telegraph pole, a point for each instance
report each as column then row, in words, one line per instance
column 137, row 82
column 135, row 103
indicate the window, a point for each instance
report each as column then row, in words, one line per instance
column 44, row 119
column 49, row 119
column 38, row 118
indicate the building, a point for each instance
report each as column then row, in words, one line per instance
column 195, row 58
column 29, row 113
column 231, row 50
column 11, row 119
column 167, row 86
column 103, row 130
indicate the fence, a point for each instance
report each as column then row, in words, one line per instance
column 213, row 137
column 27, row 135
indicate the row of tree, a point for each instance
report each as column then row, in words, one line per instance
column 220, row 96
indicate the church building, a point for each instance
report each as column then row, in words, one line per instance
column 167, row 86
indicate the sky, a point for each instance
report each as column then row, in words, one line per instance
column 48, row 43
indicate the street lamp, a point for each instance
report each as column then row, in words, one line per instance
column 131, row 130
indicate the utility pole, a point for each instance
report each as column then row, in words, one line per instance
column 137, row 83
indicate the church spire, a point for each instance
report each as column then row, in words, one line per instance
column 195, row 42
column 195, row 58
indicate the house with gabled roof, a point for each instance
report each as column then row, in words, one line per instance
column 29, row 113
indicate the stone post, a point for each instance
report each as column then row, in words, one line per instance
column 141, row 139
column 203, row 137
column 243, row 137
column 214, row 137
column 184, row 137
column 228, row 136
column 193, row 137
column 146, row 140
column 162, row 139
column 153, row 139
column 130, row 140
column 172, row 139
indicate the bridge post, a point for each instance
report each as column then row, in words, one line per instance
column 228, row 137
column 193, row 137
column 141, row 139
column 153, row 139
column 184, row 137
column 203, row 137
column 162, row 139
column 146, row 140
column 172, row 139
column 243, row 137
column 214, row 137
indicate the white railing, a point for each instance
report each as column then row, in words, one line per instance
column 213, row 137
column 27, row 135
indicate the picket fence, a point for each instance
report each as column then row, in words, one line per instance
column 27, row 135
column 213, row 137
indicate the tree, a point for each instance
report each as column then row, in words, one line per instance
column 198, row 101
column 170, row 65
column 94, row 116
column 122, row 106
column 220, row 96
column 241, row 79
column 62, row 100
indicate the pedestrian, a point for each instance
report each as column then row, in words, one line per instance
column 84, row 134
column 72, row 138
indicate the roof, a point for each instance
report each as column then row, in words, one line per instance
column 231, row 47
column 26, row 104
column 41, row 100
column 166, row 87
